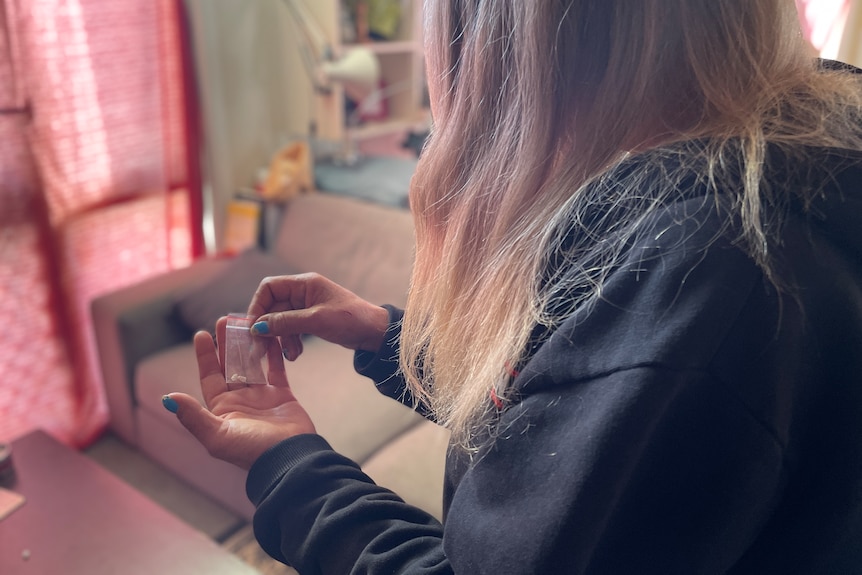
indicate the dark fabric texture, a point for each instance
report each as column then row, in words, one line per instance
column 382, row 366
column 229, row 292
column 692, row 419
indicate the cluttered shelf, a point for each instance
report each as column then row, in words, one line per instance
column 387, row 46
column 373, row 129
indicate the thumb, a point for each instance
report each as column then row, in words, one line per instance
column 289, row 322
column 200, row 422
column 287, row 325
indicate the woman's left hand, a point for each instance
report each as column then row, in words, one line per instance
column 239, row 423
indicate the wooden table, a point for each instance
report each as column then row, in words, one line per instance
column 81, row 519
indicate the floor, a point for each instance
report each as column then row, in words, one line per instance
column 196, row 509
column 172, row 493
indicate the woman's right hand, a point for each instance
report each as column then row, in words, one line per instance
column 289, row 306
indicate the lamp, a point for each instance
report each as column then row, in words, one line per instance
column 358, row 70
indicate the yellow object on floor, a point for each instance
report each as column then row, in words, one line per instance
column 290, row 173
column 242, row 228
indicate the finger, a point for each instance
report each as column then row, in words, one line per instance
column 209, row 367
column 258, row 349
column 200, row 422
column 276, row 374
column 221, row 338
column 263, row 298
column 286, row 292
column 291, row 347
column 295, row 322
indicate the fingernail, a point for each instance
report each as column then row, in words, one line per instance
column 170, row 404
column 260, row 328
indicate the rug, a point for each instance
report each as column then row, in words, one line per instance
column 245, row 546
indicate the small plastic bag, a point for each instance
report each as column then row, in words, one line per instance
column 245, row 359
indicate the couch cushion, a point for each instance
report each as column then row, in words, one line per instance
column 346, row 408
column 170, row 445
column 364, row 247
column 379, row 179
column 230, row 291
column 413, row 466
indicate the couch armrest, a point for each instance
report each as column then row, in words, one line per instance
column 135, row 322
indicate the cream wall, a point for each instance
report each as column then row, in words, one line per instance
column 254, row 95
column 851, row 40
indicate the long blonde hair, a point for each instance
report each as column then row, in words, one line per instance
column 534, row 100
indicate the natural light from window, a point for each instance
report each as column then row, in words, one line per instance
column 824, row 22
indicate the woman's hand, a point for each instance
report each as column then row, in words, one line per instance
column 242, row 421
column 289, row 306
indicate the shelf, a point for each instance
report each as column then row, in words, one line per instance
column 391, row 47
column 384, row 127
column 402, row 76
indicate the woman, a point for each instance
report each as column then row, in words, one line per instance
column 636, row 304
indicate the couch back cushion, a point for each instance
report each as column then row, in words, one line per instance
column 365, row 247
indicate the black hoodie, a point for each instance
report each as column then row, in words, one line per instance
column 694, row 419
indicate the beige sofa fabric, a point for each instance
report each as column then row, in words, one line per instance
column 146, row 352
column 344, row 406
column 364, row 247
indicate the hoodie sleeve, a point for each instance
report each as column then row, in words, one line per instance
column 317, row 511
column 630, row 447
column 382, row 366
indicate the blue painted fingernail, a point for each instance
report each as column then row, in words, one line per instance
column 260, row 328
column 170, row 404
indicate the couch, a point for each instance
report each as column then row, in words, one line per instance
column 143, row 335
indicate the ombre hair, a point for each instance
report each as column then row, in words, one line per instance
column 535, row 102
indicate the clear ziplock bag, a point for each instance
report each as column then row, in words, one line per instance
column 245, row 359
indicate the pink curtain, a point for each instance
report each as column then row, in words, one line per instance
column 93, row 174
